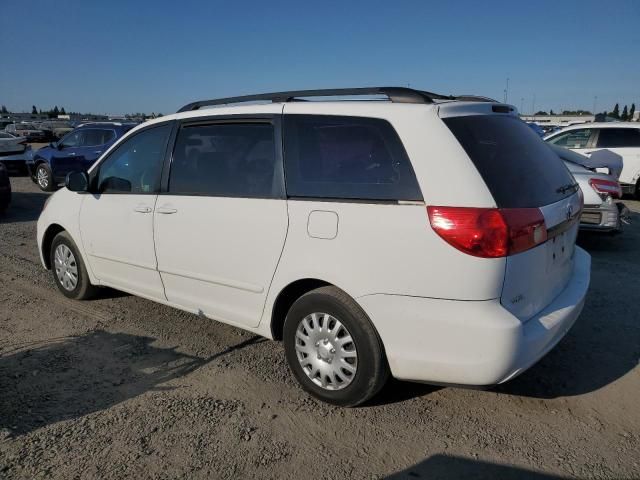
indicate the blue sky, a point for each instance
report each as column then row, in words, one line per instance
column 123, row 56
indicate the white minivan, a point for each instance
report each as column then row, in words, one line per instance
column 386, row 231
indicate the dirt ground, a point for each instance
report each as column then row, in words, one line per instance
column 120, row 387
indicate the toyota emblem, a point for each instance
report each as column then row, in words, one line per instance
column 569, row 212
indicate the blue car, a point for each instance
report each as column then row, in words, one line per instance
column 76, row 151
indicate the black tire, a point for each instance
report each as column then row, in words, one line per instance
column 372, row 370
column 83, row 289
column 47, row 183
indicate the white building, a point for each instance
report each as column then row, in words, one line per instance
column 557, row 120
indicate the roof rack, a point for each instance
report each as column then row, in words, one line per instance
column 394, row 94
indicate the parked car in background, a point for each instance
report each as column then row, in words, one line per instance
column 621, row 138
column 336, row 227
column 5, row 189
column 28, row 131
column 55, row 129
column 602, row 212
column 14, row 152
column 76, row 151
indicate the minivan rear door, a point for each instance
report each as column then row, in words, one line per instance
column 522, row 172
column 221, row 223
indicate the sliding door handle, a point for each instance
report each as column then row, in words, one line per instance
column 166, row 210
column 142, row 209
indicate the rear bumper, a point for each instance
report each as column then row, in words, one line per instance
column 472, row 342
column 604, row 217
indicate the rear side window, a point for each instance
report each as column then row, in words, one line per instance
column 572, row 139
column 231, row 160
column 619, row 137
column 519, row 169
column 346, row 158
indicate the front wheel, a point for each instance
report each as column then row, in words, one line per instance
column 333, row 349
column 44, row 177
column 69, row 271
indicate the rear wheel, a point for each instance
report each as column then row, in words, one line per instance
column 69, row 271
column 44, row 178
column 333, row 349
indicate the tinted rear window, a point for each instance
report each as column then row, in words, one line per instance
column 346, row 158
column 519, row 169
column 619, row 137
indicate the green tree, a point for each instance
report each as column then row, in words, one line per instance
column 541, row 112
column 34, row 110
column 62, row 112
column 625, row 114
column 4, row 109
column 616, row 112
column 551, row 112
column 632, row 111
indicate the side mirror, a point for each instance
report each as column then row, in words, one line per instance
column 77, row 182
column 59, row 145
column 53, row 144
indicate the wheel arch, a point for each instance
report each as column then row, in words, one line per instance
column 47, row 239
column 285, row 299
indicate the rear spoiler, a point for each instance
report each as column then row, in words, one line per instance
column 599, row 159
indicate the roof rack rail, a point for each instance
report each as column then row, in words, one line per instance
column 395, row 94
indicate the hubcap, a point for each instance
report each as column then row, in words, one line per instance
column 326, row 351
column 66, row 267
column 42, row 177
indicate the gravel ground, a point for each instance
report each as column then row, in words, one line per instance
column 120, row 387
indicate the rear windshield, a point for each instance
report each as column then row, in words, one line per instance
column 519, row 169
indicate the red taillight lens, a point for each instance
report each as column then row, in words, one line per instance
column 606, row 187
column 489, row 232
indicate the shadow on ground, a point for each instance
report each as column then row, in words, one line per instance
column 70, row 377
column 24, row 207
column 441, row 467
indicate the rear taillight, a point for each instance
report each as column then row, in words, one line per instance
column 606, row 187
column 489, row 232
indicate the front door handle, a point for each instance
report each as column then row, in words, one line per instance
column 142, row 209
column 72, row 153
column 98, row 152
column 166, row 210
